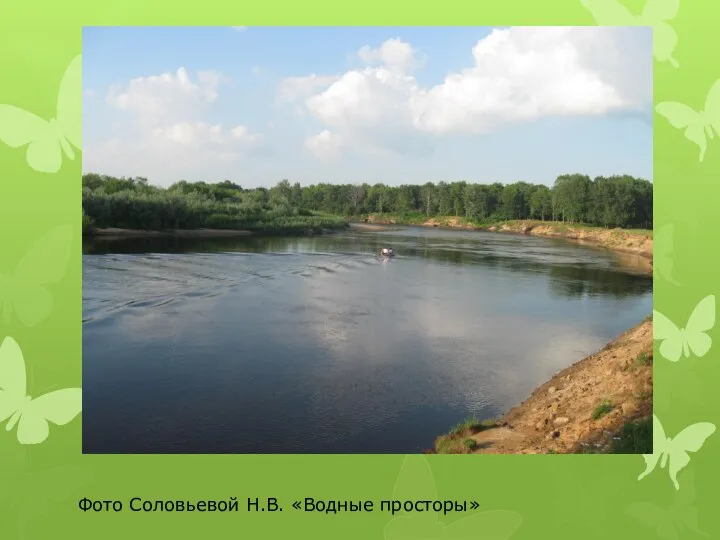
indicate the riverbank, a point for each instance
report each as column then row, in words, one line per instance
column 119, row 233
column 113, row 232
column 601, row 404
column 362, row 226
column 626, row 241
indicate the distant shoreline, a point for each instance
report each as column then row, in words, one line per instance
column 115, row 233
column 111, row 232
column 620, row 241
column 361, row 225
column 633, row 247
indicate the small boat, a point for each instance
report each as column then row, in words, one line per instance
column 387, row 252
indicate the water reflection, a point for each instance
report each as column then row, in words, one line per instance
column 571, row 270
column 315, row 344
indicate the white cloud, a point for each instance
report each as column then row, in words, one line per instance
column 170, row 152
column 241, row 133
column 167, row 134
column 201, row 134
column 239, row 28
column 166, row 97
column 523, row 74
column 293, row 88
column 517, row 75
column 326, row 145
column 393, row 53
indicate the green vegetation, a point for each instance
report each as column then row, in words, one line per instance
column 601, row 410
column 643, row 359
column 469, row 424
column 469, row 445
column 132, row 203
column 635, row 438
column 617, row 201
column 459, row 438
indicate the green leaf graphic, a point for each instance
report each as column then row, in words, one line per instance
column 681, row 341
column 670, row 523
column 656, row 13
column 698, row 126
column 31, row 416
column 663, row 251
column 24, row 290
column 47, row 140
column 416, row 482
column 674, row 452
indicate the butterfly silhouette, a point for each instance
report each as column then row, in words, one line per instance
column 416, row 482
column 47, row 140
column 662, row 256
column 699, row 126
column 30, row 492
column 669, row 523
column 674, row 452
column 677, row 341
column 24, row 290
column 31, row 416
column 656, row 13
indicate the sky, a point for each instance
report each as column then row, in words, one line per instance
column 376, row 104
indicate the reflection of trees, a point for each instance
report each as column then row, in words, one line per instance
column 577, row 281
column 251, row 244
column 566, row 280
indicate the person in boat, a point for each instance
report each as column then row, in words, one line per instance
column 387, row 252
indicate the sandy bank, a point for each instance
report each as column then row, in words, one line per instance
column 631, row 243
column 619, row 240
column 578, row 410
column 362, row 226
column 175, row 233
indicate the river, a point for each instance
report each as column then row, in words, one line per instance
column 315, row 345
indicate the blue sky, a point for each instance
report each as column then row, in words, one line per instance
column 347, row 105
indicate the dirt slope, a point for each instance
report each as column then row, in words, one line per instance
column 558, row 416
column 633, row 242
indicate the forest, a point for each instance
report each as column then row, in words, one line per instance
column 133, row 203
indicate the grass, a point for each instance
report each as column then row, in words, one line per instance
column 602, row 409
column 458, row 440
column 472, row 425
column 634, row 438
column 643, row 359
column 469, row 444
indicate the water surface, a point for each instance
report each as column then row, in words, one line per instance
column 313, row 344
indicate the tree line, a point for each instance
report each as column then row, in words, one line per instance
column 616, row 201
column 133, row 203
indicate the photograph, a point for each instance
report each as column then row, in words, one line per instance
column 367, row 240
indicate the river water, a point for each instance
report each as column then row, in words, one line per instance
column 315, row 345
